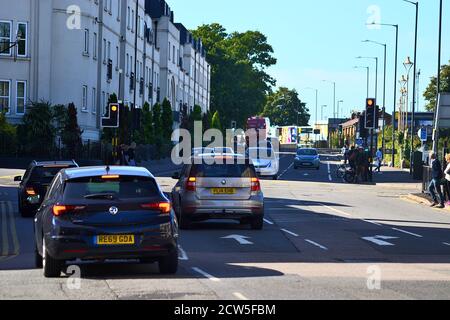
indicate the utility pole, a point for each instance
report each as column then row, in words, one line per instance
column 438, row 85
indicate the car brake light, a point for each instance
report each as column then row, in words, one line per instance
column 256, row 186
column 191, row 184
column 59, row 210
column 31, row 192
column 163, row 207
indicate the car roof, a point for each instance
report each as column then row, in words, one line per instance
column 84, row 172
column 54, row 163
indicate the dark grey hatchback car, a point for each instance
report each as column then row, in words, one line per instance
column 102, row 213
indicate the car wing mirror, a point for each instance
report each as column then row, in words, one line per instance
column 18, row 179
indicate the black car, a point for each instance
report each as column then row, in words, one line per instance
column 35, row 182
column 105, row 213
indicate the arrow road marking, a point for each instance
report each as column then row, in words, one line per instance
column 378, row 240
column 241, row 239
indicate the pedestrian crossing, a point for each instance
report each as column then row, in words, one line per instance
column 9, row 246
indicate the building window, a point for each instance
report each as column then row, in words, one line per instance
column 109, row 51
column 104, row 103
column 128, row 18
column 86, row 41
column 22, row 32
column 5, row 38
column 5, row 96
column 128, row 65
column 117, row 57
column 119, row 3
column 21, row 94
column 104, row 51
column 95, row 46
column 94, row 100
column 84, row 99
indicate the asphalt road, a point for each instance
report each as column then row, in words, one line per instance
column 323, row 239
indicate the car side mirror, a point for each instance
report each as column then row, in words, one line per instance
column 18, row 179
column 176, row 176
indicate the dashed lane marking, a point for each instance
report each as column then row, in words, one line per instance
column 371, row 222
column 205, row 274
column 285, row 171
column 183, row 256
column 407, row 232
column 268, row 222
column 329, row 172
column 240, row 296
column 290, row 232
column 316, row 244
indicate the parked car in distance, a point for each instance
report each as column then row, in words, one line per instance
column 198, row 151
column 307, row 158
column 218, row 187
column 223, row 150
column 35, row 182
column 105, row 213
column 265, row 160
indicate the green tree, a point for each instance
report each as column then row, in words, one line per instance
column 158, row 130
column 147, row 125
column 215, row 123
column 71, row 133
column 239, row 81
column 8, row 137
column 37, row 133
column 284, row 108
column 430, row 93
column 167, row 120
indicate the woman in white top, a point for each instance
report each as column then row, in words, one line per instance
column 447, row 178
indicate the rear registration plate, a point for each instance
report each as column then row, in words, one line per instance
column 115, row 240
column 223, row 191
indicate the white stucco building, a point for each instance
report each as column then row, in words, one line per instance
column 82, row 51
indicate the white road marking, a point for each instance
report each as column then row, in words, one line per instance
column 284, row 172
column 407, row 232
column 268, row 222
column 446, row 244
column 336, row 210
column 240, row 296
column 329, row 172
column 205, row 274
column 316, row 244
column 290, row 232
column 240, row 239
column 183, row 256
column 371, row 222
column 379, row 240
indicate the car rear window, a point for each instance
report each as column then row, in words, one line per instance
column 222, row 171
column 125, row 187
column 45, row 174
column 307, row 152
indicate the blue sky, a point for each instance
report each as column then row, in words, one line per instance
column 317, row 40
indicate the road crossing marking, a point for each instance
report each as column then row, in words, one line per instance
column 289, row 232
column 407, row 232
column 316, row 244
column 268, row 222
column 240, row 296
column 205, row 274
column 183, row 256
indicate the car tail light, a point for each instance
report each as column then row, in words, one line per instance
column 256, row 185
column 191, row 184
column 31, row 192
column 163, row 207
column 59, row 210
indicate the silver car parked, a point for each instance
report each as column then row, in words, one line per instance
column 218, row 187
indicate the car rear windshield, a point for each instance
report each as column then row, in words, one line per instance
column 222, row 171
column 307, row 152
column 98, row 188
column 45, row 174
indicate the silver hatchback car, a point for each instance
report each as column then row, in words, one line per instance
column 218, row 187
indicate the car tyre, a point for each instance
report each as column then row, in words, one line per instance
column 257, row 223
column 52, row 267
column 38, row 263
column 169, row 263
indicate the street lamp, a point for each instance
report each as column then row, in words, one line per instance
column 376, row 73
column 438, row 84
column 317, row 100
column 321, row 109
column 408, row 66
column 368, row 77
column 338, row 108
column 334, row 96
column 395, row 82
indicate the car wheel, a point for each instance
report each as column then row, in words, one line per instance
column 38, row 260
column 257, row 223
column 169, row 263
column 52, row 267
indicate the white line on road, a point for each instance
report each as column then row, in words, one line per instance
column 290, row 232
column 268, row 222
column 329, row 172
column 284, row 172
column 205, row 274
column 371, row 222
column 407, row 232
column 183, row 256
column 446, row 244
column 240, row 296
column 316, row 244
column 336, row 210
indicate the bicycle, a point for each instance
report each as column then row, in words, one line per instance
column 350, row 175
column 341, row 170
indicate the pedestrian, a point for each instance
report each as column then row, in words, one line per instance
column 447, row 178
column 379, row 160
column 132, row 155
column 360, row 165
column 345, row 152
column 435, row 184
column 352, row 158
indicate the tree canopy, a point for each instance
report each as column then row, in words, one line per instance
column 430, row 93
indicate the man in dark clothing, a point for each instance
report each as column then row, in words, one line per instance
column 435, row 184
column 352, row 158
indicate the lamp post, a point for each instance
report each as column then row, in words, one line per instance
column 321, row 109
column 368, row 78
column 334, row 96
column 339, row 102
column 408, row 66
column 438, row 84
column 376, row 73
column 317, row 101
column 395, row 83
column 403, row 90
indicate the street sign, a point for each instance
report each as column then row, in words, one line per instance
column 316, row 131
column 423, row 135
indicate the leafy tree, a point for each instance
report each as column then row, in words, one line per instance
column 147, row 125
column 37, row 133
column 196, row 114
column 207, row 121
column 430, row 93
column 284, row 108
column 239, row 82
column 71, row 133
column 158, row 129
column 8, row 136
column 215, row 123
column 166, row 120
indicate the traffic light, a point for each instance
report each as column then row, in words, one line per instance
column 371, row 114
column 112, row 120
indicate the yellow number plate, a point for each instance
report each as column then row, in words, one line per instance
column 223, row 191
column 115, row 240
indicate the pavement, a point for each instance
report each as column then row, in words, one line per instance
column 322, row 239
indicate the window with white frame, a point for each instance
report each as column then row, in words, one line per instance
column 109, row 51
column 5, row 94
column 22, row 34
column 21, row 96
column 86, row 41
column 5, row 38
column 94, row 100
column 84, row 99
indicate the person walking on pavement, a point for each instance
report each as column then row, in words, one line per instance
column 379, row 159
column 352, row 158
column 447, row 178
column 435, row 184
